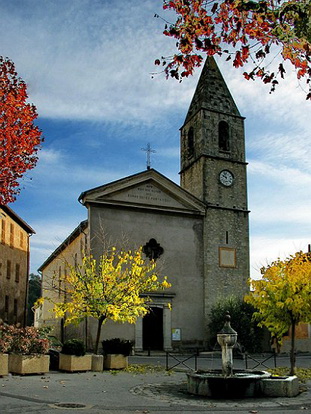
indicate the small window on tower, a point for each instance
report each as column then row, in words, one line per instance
column 190, row 142
column 223, row 136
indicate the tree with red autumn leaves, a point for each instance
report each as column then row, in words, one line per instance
column 19, row 137
column 246, row 31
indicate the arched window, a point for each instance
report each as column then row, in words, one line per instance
column 190, row 142
column 223, row 136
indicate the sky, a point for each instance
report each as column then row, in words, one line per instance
column 88, row 66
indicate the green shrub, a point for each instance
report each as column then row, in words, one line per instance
column 250, row 336
column 117, row 346
column 74, row 347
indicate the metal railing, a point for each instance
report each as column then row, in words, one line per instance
column 197, row 361
column 181, row 360
column 259, row 363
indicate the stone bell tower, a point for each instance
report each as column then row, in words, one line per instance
column 213, row 168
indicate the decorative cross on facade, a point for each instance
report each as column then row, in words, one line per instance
column 148, row 151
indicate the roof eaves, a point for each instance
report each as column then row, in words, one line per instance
column 18, row 219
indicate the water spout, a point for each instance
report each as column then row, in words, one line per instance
column 227, row 338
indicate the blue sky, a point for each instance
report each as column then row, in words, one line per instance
column 87, row 64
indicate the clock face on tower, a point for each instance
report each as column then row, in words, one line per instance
column 226, row 178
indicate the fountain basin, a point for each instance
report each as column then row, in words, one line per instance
column 213, row 384
column 280, row 386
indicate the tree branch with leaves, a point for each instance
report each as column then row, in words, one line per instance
column 283, row 297
column 244, row 31
column 19, row 137
column 108, row 289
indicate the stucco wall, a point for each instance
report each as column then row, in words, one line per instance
column 52, row 288
column 181, row 238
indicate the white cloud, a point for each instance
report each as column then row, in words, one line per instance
column 283, row 147
column 172, row 152
column 49, row 156
column 282, row 174
column 264, row 250
column 93, row 61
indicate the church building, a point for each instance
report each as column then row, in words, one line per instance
column 198, row 232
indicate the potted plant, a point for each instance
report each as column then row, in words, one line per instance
column 73, row 358
column 116, row 352
column 5, row 341
column 28, row 350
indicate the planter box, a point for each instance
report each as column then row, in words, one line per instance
column 73, row 363
column 28, row 364
column 115, row 361
column 4, row 364
column 280, row 386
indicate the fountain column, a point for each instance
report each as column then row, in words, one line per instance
column 227, row 338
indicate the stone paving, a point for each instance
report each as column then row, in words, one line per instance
column 120, row 393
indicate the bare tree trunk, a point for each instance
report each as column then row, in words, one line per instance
column 293, row 350
column 99, row 326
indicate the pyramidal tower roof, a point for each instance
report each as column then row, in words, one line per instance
column 212, row 92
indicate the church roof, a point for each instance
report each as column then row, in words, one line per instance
column 148, row 190
column 212, row 92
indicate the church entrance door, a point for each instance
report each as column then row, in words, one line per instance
column 153, row 329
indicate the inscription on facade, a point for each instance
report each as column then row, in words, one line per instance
column 148, row 192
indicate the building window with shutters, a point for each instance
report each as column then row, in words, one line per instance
column 21, row 239
column 6, row 308
column 15, row 310
column 8, row 269
column 3, row 232
column 17, row 271
column 12, row 235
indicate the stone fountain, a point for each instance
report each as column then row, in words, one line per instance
column 227, row 383
column 227, row 338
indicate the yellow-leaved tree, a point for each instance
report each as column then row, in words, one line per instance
column 283, row 297
column 109, row 288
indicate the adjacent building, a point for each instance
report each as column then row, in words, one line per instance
column 14, row 266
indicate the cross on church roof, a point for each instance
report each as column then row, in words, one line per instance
column 148, row 151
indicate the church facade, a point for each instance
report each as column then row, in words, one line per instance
column 198, row 231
